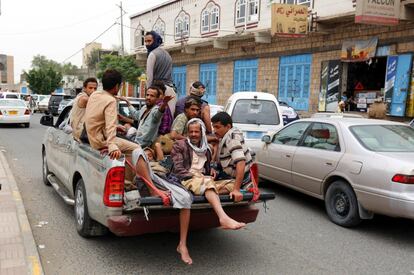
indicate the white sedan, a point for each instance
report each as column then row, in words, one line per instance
column 14, row 111
column 357, row 166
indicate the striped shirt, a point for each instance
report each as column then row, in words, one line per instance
column 232, row 149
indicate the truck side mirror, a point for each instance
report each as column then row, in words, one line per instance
column 47, row 120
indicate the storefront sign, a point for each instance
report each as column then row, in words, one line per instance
column 332, row 93
column 377, row 12
column 358, row 50
column 324, row 87
column 289, row 20
column 410, row 98
column 390, row 78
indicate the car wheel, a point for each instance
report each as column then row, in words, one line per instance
column 341, row 204
column 45, row 169
column 27, row 125
column 85, row 225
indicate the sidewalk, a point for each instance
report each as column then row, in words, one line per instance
column 18, row 251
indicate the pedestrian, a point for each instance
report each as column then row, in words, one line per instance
column 159, row 66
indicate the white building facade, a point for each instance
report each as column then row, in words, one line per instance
column 229, row 45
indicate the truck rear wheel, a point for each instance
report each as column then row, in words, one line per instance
column 45, row 169
column 85, row 225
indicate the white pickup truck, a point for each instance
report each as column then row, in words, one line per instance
column 94, row 184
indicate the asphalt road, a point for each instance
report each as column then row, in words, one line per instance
column 294, row 236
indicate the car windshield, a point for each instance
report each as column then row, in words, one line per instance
column 250, row 111
column 12, row 103
column 385, row 138
column 11, row 96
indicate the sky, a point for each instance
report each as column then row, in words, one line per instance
column 58, row 29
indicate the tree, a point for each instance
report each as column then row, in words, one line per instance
column 126, row 65
column 45, row 75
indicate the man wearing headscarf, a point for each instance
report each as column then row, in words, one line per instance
column 159, row 66
column 197, row 90
column 192, row 157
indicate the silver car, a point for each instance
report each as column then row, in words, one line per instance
column 357, row 166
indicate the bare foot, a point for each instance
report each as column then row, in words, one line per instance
column 185, row 256
column 229, row 223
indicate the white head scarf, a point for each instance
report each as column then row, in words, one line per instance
column 203, row 143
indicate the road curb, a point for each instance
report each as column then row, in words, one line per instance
column 33, row 262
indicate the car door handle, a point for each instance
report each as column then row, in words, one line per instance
column 288, row 155
column 328, row 163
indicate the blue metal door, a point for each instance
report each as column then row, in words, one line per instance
column 245, row 75
column 294, row 80
column 399, row 96
column 179, row 76
column 208, row 76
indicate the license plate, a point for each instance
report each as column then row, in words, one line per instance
column 12, row 113
column 254, row 135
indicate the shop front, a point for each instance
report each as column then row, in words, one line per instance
column 365, row 73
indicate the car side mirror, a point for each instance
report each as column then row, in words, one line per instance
column 47, row 120
column 266, row 139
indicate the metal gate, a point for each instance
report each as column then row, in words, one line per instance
column 294, row 80
column 208, row 76
column 179, row 76
column 245, row 75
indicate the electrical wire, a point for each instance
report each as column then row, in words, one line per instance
column 55, row 28
column 113, row 24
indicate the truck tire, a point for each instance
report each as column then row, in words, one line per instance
column 85, row 225
column 45, row 169
column 341, row 204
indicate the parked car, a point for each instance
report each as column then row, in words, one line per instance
column 329, row 114
column 64, row 102
column 94, row 185
column 43, row 104
column 214, row 109
column 54, row 102
column 254, row 113
column 288, row 113
column 9, row 95
column 412, row 123
column 357, row 166
column 14, row 111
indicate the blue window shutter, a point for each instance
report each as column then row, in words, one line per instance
column 179, row 75
column 294, row 80
column 208, row 76
column 245, row 75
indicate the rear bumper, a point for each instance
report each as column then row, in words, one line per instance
column 168, row 220
column 15, row 119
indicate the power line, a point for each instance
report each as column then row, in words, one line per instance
column 56, row 28
column 113, row 24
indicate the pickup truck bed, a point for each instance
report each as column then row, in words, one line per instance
column 160, row 219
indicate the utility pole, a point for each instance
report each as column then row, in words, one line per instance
column 122, row 28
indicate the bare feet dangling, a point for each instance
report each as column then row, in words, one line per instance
column 229, row 223
column 185, row 255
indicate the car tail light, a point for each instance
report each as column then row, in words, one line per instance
column 114, row 187
column 27, row 112
column 403, row 179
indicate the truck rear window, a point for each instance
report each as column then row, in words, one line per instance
column 251, row 111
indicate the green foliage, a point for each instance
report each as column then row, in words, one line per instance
column 43, row 80
column 126, row 65
column 45, row 75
